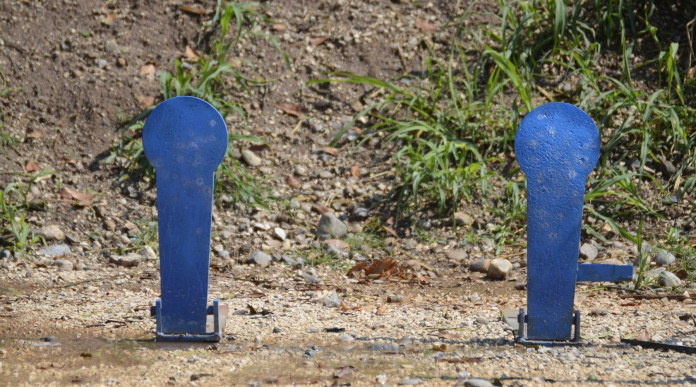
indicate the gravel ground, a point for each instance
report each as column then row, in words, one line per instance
column 82, row 316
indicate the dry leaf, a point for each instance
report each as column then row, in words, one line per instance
column 357, row 130
column 190, row 53
column 426, row 27
column 83, row 199
column 330, row 150
column 32, row 166
column 381, row 309
column 292, row 183
column 317, row 40
column 193, row 10
column 292, row 109
column 390, row 230
column 148, row 70
column 344, row 307
column 146, row 101
column 355, row 171
column 692, row 73
column 33, row 133
column 440, row 348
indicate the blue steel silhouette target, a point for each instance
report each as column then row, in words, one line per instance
column 557, row 145
column 185, row 139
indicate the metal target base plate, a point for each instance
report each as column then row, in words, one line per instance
column 215, row 324
column 522, row 333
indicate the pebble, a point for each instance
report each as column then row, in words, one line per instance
column 457, row 254
column 477, row 382
column 381, row 379
column 130, row 260
column 259, row 258
column 599, row 312
column 63, row 264
column 499, row 268
column 280, row 233
column 463, row 219
column 664, row 258
column 52, row 233
column 5, row 254
column 331, row 227
column 668, row 279
column 300, row 170
column 360, row 212
column 251, row 158
column 55, row 250
column 110, row 224
column 410, row 382
column 148, row 254
column 589, row 251
column 346, row 338
column 480, row 265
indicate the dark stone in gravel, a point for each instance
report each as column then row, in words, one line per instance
column 331, row 227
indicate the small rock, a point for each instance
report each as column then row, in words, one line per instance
column 480, row 265
column 101, row 63
column 346, row 338
column 130, row 260
column 477, row 382
column 360, row 212
column 381, row 379
column 259, row 258
column 331, row 227
column 463, row 219
column 599, row 312
column 251, row 158
column 668, row 279
column 322, row 104
column 280, row 233
column 664, row 258
column 300, row 170
column 5, row 254
column 148, row 254
column 110, row 224
column 63, row 264
column 482, row 320
column 499, row 268
column 589, row 251
column 456, row 254
column 52, row 233
column 55, row 250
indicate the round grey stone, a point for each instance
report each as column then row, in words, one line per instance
column 480, row 265
column 668, row 279
column 477, row 382
column 664, row 258
column 331, row 227
column 259, row 258
column 589, row 251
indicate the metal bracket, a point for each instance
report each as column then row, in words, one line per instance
column 522, row 332
column 217, row 317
